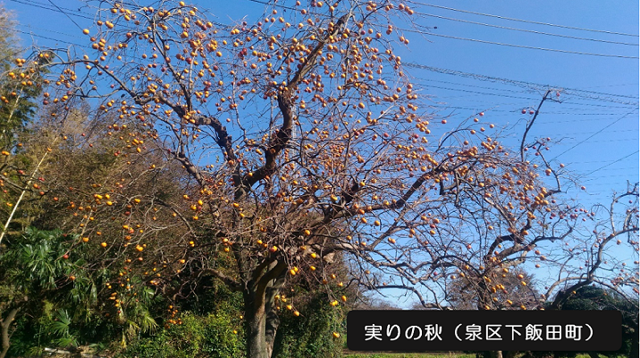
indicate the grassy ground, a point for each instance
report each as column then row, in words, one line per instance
column 349, row 354
column 405, row 355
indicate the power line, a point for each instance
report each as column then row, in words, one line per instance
column 278, row 5
column 511, row 114
column 618, row 131
column 518, row 83
column 444, row 106
column 78, row 10
column 488, row 42
column 536, row 86
column 617, row 85
column 581, row 120
column 601, row 99
column 480, row 93
column 594, row 134
column 521, row 20
column 65, row 14
column 522, row 46
column 525, row 98
column 470, row 85
column 50, row 9
column 49, row 38
column 615, row 140
column 595, row 161
column 580, row 114
column 18, row 1
column 494, row 43
column 609, row 185
column 619, row 169
column 525, row 30
column 602, row 105
column 614, row 162
column 52, row 31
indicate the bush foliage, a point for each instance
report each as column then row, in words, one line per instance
column 213, row 335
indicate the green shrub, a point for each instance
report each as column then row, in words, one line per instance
column 310, row 335
column 210, row 336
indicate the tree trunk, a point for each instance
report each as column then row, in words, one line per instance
column 272, row 320
column 261, row 326
column 6, row 324
column 256, row 326
column 262, row 320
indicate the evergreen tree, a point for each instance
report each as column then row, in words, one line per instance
column 20, row 83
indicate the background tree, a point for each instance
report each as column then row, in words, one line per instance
column 616, row 222
column 20, row 83
column 596, row 298
column 56, row 174
column 467, row 294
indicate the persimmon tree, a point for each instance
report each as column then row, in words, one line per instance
column 571, row 247
column 590, row 260
column 302, row 137
column 467, row 294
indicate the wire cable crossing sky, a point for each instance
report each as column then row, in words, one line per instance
column 523, row 20
column 572, row 49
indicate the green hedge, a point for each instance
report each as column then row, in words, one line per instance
column 311, row 334
column 209, row 336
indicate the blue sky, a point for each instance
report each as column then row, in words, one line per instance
column 597, row 121
column 472, row 59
